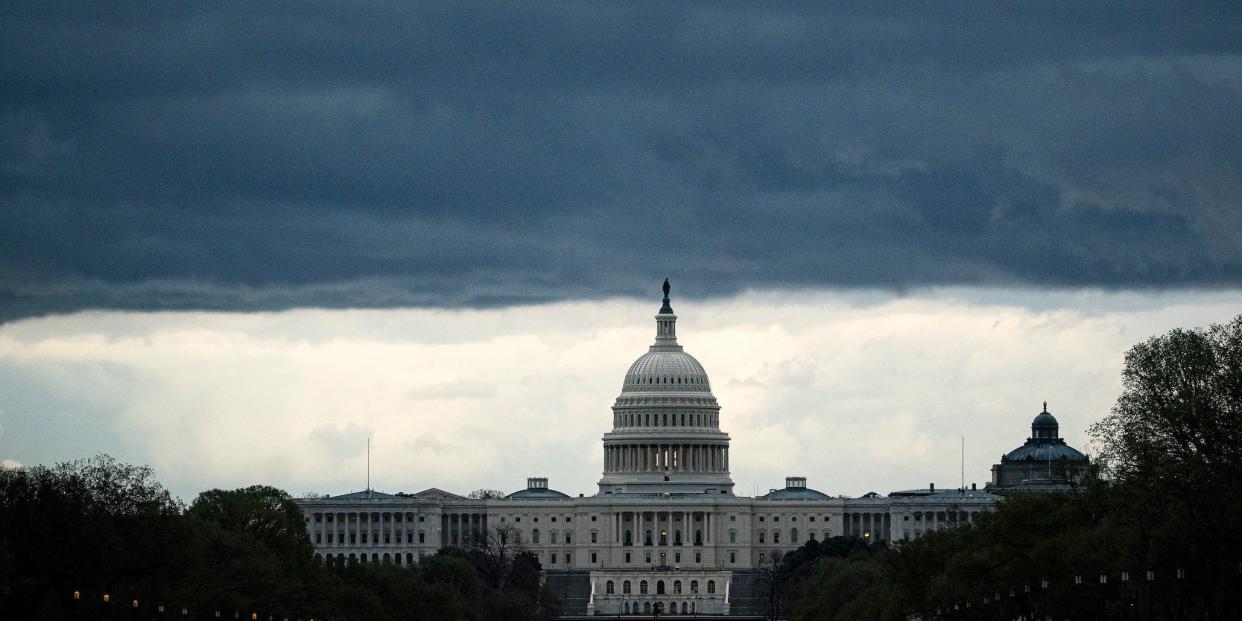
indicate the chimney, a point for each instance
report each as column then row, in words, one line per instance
column 972, row 487
column 933, row 488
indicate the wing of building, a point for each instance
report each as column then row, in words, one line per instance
column 665, row 531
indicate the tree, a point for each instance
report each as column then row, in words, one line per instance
column 1173, row 443
column 500, row 548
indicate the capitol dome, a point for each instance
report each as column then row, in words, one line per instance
column 666, row 435
column 666, row 370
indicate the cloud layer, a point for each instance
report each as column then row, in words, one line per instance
column 245, row 156
column 859, row 392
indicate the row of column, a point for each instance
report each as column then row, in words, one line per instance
column 661, row 457
column 876, row 525
column 463, row 529
column 337, row 532
column 637, row 521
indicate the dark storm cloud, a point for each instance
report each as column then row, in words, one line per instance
column 254, row 157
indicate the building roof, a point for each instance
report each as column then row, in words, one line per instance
column 537, row 494
column 795, row 489
column 369, row 493
column 1039, row 449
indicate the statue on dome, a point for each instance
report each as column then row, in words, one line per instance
column 666, row 287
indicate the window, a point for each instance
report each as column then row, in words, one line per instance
column 593, row 558
column 568, row 538
column 732, row 556
column 698, row 557
column 776, row 518
column 364, row 537
column 553, row 536
column 517, row 519
column 647, row 538
column 694, row 586
column 625, row 587
column 594, row 536
column 569, row 558
column 387, row 538
column 554, row 518
column 422, row 537
column 677, row 557
column 732, row 536
column 627, row 559
column 592, row 518
column 812, row 518
column 793, row 536
column 318, row 538
column 711, row 586
column 811, row 535
column 609, row 588
column 659, row 587
column 642, row 586
column 534, row 536
column 648, row 557
column 677, row 587
column 776, row 536
column 761, row 539
column 553, row 557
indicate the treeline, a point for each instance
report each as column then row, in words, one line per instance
column 76, row 533
column 1165, row 498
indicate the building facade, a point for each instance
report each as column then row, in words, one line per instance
column 665, row 531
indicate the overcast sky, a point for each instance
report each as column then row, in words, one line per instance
column 827, row 173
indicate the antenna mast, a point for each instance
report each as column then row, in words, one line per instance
column 368, row 463
column 963, row 462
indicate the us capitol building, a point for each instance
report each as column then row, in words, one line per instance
column 665, row 532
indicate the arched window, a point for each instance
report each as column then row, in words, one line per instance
column 677, row 587
column 666, row 420
column 646, row 608
column 659, row 587
column 684, row 608
column 711, row 587
column 642, row 586
column 627, row 608
column 534, row 536
column 793, row 536
column 625, row 587
column 387, row 558
column 694, row 586
column 608, row 587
